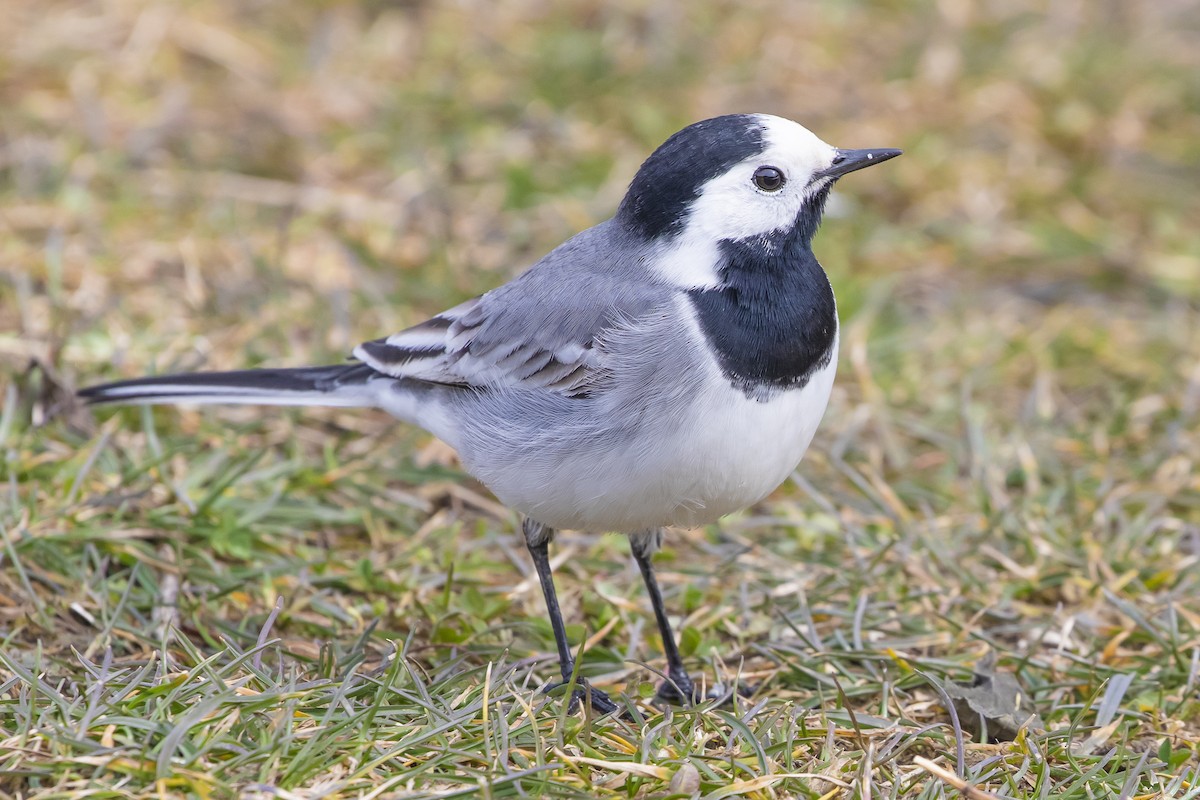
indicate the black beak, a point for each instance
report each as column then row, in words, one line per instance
column 850, row 160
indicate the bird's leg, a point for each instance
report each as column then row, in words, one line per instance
column 537, row 540
column 678, row 688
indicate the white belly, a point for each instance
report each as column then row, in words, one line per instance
column 726, row 452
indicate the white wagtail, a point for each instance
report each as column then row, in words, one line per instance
column 665, row 367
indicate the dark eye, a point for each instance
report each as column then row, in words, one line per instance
column 769, row 179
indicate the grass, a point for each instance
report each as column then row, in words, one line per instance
column 320, row 604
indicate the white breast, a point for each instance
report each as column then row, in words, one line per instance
column 743, row 449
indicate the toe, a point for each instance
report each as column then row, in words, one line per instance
column 600, row 702
column 678, row 690
column 681, row 690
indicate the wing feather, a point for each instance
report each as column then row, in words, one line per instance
column 543, row 330
column 449, row 349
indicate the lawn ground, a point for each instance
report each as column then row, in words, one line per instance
column 311, row 604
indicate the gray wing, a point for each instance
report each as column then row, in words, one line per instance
column 542, row 330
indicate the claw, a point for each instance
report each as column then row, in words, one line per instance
column 601, row 703
column 678, row 690
column 682, row 690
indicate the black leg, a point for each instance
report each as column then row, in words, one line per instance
column 679, row 688
column 537, row 539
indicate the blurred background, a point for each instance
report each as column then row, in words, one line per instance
column 344, row 159
column 1012, row 444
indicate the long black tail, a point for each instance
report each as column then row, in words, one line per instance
column 339, row 385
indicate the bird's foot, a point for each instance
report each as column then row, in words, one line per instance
column 678, row 690
column 584, row 693
column 681, row 690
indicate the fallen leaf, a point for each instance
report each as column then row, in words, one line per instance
column 993, row 703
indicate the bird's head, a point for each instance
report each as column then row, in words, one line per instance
column 740, row 177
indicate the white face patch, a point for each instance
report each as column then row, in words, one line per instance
column 731, row 206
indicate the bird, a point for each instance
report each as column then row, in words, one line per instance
column 664, row 368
